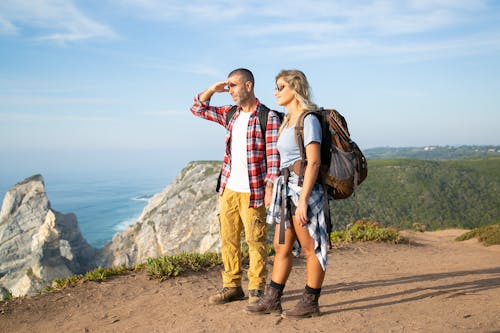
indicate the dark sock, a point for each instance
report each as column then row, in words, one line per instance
column 314, row 291
column 277, row 286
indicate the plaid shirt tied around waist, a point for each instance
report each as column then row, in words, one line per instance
column 315, row 214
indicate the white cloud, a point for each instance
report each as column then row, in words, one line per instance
column 412, row 28
column 405, row 51
column 343, row 27
column 381, row 16
column 58, row 21
column 367, row 18
column 181, row 10
column 6, row 27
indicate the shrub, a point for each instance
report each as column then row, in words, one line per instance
column 60, row 284
column 366, row 230
column 488, row 234
column 421, row 227
column 7, row 295
column 100, row 274
column 173, row 265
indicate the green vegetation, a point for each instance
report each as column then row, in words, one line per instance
column 214, row 167
column 173, row 265
column 432, row 152
column 488, row 234
column 160, row 268
column 60, row 284
column 99, row 274
column 366, row 230
column 8, row 296
column 176, row 264
column 435, row 194
column 421, row 227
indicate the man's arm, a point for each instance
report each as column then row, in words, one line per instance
column 272, row 155
column 202, row 109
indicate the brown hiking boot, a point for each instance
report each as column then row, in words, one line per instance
column 307, row 307
column 269, row 303
column 227, row 294
column 254, row 296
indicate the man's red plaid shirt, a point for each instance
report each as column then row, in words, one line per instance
column 263, row 157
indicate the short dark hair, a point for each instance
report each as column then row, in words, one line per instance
column 245, row 73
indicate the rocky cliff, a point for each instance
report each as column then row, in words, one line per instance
column 38, row 244
column 182, row 218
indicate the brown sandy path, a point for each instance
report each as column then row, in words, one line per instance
column 433, row 284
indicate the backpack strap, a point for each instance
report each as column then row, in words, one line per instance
column 299, row 138
column 230, row 114
column 263, row 115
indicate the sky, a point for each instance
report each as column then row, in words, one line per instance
column 106, row 85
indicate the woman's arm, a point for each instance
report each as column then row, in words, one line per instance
column 313, row 154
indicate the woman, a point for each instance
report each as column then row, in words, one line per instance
column 301, row 208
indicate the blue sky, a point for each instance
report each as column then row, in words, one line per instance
column 94, row 85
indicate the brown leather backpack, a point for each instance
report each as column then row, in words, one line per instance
column 343, row 165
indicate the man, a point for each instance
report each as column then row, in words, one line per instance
column 250, row 167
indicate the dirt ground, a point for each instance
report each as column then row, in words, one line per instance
column 432, row 284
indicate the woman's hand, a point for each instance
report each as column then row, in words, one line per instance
column 301, row 213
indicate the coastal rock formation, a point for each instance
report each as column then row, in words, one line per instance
column 38, row 244
column 182, row 218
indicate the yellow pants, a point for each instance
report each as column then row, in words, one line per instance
column 234, row 214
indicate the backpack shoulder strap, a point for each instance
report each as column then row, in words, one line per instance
column 230, row 114
column 263, row 115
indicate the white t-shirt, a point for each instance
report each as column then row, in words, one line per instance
column 238, row 178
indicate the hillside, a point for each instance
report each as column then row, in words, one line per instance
column 440, row 194
column 433, row 152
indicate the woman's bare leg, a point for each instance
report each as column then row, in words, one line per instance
column 315, row 273
column 283, row 258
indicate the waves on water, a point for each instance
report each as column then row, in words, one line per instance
column 102, row 206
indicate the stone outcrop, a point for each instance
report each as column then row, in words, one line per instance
column 182, row 218
column 38, row 244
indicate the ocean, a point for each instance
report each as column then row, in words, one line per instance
column 103, row 205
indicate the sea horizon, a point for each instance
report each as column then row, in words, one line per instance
column 106, row 189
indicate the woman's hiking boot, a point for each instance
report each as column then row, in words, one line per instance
column 227, row 294
column 307, row 307
column 254, row 296
column 270, row 302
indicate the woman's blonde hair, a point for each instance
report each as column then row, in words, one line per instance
column 297, row 81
